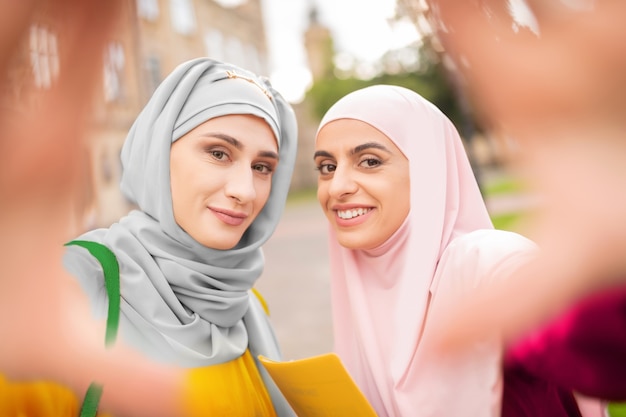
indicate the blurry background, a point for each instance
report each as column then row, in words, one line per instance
column 314, row 52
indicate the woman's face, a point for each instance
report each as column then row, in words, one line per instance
column 221, row 177
column 363, row 183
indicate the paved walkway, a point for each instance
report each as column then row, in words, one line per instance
column 295, row 282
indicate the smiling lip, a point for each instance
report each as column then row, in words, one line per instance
column 346, row 216
column 231, row 218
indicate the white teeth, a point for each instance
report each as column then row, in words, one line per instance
column 350, row 214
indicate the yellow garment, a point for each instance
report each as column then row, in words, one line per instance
column 36, row 399
column 261, row 300
column 233, row 388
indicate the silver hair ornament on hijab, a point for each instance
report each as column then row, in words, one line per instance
column 233, row 74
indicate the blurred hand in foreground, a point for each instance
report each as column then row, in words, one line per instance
column 47, row 332
column 559, row 90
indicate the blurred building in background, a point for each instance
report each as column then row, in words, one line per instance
column 153, row 37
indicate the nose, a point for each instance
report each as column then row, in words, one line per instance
column 342, row 183
column 240, row 185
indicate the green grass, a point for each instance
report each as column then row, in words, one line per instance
column 617, row 410
column 302, row 196
column 503, row 185
column 507, row 221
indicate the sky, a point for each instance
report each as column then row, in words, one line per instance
column 360, row 29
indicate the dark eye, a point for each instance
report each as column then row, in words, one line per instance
column 219, row 155
column 370, row 163
column 263, row 169
column 326, row 168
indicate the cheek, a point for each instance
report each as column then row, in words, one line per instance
column 405, row 205
column 263, row 190
column 399, row 193
column 179, row 187
column 403, row 188
column 175, row 191
column 179, row 201
column 321, row 191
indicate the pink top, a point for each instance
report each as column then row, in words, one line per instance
column 381, row 298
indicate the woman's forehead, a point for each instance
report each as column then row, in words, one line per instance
column 354, row 136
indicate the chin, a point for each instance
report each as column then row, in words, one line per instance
column 352, row 243
column 221, row 245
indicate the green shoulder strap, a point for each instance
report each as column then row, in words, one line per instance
column 111, row 271
column 91, row 401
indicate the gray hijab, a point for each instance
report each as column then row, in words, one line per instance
column 182, row 302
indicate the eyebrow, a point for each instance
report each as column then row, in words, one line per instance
column 356, row 150
column 237, row 144
column 369, row 145
column 322, row 153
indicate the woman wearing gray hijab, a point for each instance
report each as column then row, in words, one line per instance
column 208, row 162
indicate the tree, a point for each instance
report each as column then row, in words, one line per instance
column 413, row 67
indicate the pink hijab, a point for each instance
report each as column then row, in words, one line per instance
column 381, row 297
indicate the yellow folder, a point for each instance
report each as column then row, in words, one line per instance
column 318, row 386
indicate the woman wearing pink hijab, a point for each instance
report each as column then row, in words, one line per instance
column 409, row 233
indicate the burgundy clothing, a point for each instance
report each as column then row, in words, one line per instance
column 527, row 396
column 583, row 350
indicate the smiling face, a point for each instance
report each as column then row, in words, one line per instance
column 363, row 183
column 221, row 177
